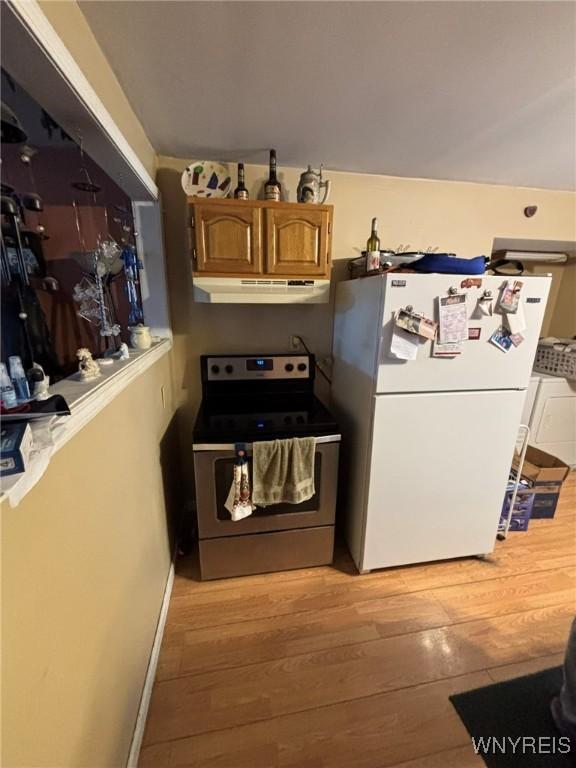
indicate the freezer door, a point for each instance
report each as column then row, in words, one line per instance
column 481, row 364
column 438, row 474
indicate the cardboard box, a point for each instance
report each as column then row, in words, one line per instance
column 15, row 447
column 545, row 474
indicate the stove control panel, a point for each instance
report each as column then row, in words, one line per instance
column 244, row 368
column 260, row 421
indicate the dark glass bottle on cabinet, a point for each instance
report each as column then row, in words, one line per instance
column 272, row 187
column 241, row 193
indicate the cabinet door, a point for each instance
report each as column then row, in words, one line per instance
column 298, row 242
column 228, row 241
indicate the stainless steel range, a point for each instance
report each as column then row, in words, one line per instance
column 245, row 399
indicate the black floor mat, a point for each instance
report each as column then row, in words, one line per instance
column 516, row 709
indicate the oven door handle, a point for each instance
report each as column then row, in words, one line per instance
column 248, row 446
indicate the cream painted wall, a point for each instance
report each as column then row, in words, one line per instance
column 72, row 27
column 554, row 315
column 563, row 321
column 85, row 558
column 86, row 555
column 460, row 217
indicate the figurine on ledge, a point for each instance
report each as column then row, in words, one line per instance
column 88, row 369
column 40, row 382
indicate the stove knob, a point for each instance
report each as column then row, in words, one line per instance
column 300, row 420
column 287, row 419
column 301, row 366
column 289, row 367
column 215, row 369
column 229, row 368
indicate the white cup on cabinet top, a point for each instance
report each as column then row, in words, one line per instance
column 140, row 337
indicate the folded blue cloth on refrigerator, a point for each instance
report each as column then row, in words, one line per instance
column 447, row 264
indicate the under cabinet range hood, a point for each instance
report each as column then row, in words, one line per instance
column 240, row 290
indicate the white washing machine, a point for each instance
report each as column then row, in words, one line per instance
column 550, row 412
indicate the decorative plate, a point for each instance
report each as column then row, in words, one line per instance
column 205, row 178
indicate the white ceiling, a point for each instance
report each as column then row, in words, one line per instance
column 478, row 91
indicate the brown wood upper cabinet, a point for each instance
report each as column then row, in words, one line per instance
column 297, row 241
column 237, row 237
column 228, row 239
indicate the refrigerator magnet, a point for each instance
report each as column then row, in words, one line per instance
column 510, row 296
column 501, row 339
column 471, row 282
column 414, row 323
column 516, row 339
column 474, row 334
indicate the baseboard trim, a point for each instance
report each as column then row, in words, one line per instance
column 138, row 734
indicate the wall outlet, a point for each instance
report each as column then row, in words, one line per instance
column 294, row 342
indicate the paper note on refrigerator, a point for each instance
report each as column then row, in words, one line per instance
column 449, row 349
column 404, row 345
column 516, row 321
column 484, row 307
column 453, row 319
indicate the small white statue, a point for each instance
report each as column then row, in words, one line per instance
column 123, row 353
column 88, row 369
column 41, row 383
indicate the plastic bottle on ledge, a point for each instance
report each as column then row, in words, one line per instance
column 19, row 379
column 7, row 389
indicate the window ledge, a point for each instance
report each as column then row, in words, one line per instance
column 86, row 400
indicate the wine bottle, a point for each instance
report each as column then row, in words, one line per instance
column 241, row 193
column 373, row 249
column 272, row 188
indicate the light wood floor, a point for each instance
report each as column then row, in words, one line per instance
column 323, row 668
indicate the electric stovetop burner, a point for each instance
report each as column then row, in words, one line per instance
column 248, row 398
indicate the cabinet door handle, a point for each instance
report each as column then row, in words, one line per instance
column 191, row 240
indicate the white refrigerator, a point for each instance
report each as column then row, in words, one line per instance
column 428, row 442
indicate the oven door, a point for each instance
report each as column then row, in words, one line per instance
column 213, row 466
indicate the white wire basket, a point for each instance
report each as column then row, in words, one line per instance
column 516, row 477
column 556, row 358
